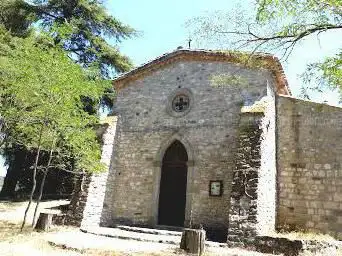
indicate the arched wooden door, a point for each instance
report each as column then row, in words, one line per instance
column 172, row 194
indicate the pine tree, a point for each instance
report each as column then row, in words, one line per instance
column 81, row 27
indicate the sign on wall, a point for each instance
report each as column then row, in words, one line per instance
column 215, row 188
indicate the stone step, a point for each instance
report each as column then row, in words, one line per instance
column 131, row 235
column 162, row 230
column 143, row 234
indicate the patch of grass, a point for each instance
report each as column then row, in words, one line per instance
column 10, row 232
column 27, row 242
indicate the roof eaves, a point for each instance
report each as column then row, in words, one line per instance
column 163, row 59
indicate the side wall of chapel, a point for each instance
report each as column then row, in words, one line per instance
column 309, row 138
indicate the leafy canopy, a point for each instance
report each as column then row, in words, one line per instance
column 15, row 17
column 41, row 91
column 80, row 27
column 304, row 18
column 278, row 26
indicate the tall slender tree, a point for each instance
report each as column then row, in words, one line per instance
column 41, row 91
column 83, row 29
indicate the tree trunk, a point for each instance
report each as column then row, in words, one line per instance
column 44, row 222
column 193, row 241
column 39, row 197
column 34, row 177
column 43, row 183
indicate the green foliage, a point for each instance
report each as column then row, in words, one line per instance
column 332, row 70
column 323, row 11
column 222, row 81
column 16, row 17
column 301, row 19
column 277, row 26
column 80, row 27
column 324, row 74
column 41, row 91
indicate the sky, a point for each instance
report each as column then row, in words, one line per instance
column 162, row 24
column 162, row 29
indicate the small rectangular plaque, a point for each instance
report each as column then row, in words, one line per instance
column 215, row 188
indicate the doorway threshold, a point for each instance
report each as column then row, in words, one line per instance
column 158, row 230
column 171, row 228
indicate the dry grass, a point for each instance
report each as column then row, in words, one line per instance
column 13, row 242
column 305, row 236
column 29, row 242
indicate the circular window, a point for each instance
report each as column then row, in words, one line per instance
column 180, row 103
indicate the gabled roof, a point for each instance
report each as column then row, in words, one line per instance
column 255, row 60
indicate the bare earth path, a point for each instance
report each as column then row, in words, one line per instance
column 71, row 241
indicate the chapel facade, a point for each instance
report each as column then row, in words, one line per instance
column 200, row 138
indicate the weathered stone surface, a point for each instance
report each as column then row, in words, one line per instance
column 44, row 222
column 309, row 166
column 208, row 131
column 243, row 202
column 267, row 175
column 280, row 168
column 97, row 187
column 252, row 204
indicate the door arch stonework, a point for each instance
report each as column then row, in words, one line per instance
column 157, row 177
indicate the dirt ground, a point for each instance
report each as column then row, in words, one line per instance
column 71, row 241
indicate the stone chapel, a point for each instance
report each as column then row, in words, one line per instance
column 200, row 138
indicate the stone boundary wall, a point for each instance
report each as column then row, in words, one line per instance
column 97, row 186
column 309, row 156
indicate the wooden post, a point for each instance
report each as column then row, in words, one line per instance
column 193, row 240
column 44, row 221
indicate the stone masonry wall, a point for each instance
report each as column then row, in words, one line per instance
column 97, row 186
column 209, row 133
column 253, row 196
column 266, row 206
column 309, row 166
column 243, row 202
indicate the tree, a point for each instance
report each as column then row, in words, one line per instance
column 41, row 107
column 15, row 18
column 82, row 28
column 279, row 26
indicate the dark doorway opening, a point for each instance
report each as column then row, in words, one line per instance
column 172, row 194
